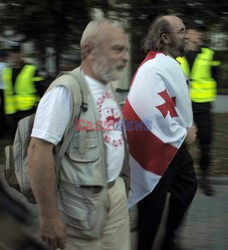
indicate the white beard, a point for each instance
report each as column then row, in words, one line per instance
column 106, row 71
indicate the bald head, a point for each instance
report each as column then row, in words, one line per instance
column 170, row 19
column 167, row 34
column 173, row 21
column 159, row 26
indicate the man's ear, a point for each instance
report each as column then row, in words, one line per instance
column 88, row 50
column 165, row 38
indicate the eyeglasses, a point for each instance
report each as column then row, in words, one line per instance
column 181, row 32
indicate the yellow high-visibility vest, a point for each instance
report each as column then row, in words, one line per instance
column 202, row 86
column 22, row 96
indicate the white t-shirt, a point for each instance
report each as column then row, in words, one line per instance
column 110, row 118
column 53, row 115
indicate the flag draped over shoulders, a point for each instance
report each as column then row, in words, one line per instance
column 157, row 113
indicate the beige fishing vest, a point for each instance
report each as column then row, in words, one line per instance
column 84, row 163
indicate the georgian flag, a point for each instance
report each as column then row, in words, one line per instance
column 157, row 113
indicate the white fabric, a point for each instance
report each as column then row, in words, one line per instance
column 159, row 96
column 108, row 110
column 144, row 181
column 156, row 75
column 53, row 115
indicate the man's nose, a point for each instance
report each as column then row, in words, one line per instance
column 126, row 56
column 186, row 35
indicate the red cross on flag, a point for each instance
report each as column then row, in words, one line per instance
column 159, row 101
column 168, row 106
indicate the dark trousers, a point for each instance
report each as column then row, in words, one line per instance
column 204, row 134
column 180, row 181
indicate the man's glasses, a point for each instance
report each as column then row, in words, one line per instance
column 181, row 32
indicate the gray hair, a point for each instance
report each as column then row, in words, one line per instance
column 93, row 32
column 153, row 39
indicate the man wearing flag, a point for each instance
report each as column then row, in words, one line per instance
column 160, row 162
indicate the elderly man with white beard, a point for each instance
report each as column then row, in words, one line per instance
column 89, row 209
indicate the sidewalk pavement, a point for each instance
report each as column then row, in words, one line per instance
column 205, row 226
column 206, row 223
column 221, row 104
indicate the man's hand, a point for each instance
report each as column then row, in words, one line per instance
column 191, row 134
column 40, row 159
column 53, row 231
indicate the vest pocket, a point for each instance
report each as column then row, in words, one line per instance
column 84, row 150
column 84, row 209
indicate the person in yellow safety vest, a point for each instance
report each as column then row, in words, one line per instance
column 199, row 66
column 23, row 88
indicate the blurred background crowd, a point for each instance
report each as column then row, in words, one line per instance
column 49, row 31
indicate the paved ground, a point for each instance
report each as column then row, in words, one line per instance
column 205, row 227
column 206, row 224
column 221, row 104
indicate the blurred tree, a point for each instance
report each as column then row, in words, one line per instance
column 104, row 5
column 213, row 13
column 59, row 23
column 56, row 23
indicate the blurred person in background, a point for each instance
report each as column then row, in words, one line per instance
column 200, row 66
column 23, row 87
column 3, row 56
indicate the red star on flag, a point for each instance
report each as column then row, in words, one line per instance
column 168, row 106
